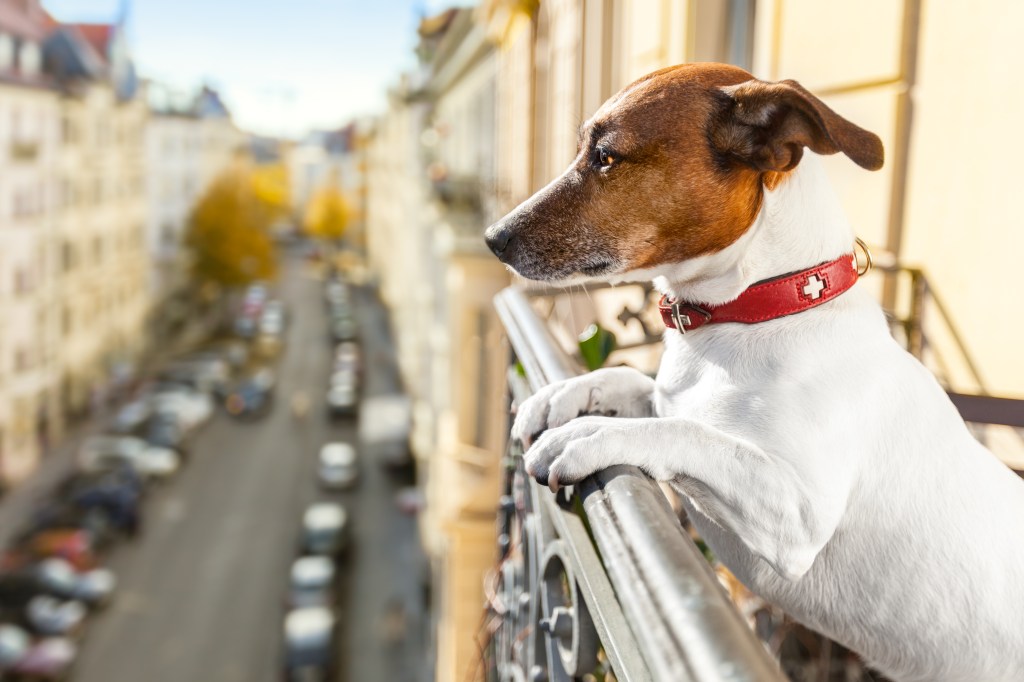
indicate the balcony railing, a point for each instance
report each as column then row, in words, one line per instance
column 602, row 580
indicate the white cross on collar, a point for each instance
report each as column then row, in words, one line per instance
column 814, row 287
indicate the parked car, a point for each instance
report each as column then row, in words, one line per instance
column 344, row 327
column 339, row 467
column 64, row 516
column 344, row 377
column 347, row 358
column 117, row 492
column 100, row 453
column 54, row 616
column 245, row 326
column 23, row 596
column 324, row 529
column 200, row 372
column 313, row 580
column 14, row 644
column 47, row 659
column 252, row 397
column 94, row 587
column 75, row 546
column 342, row 401
column 235, row 353
column 336, row 293
column 190, row 407
column 164, row 430
column 55, row 577
column 272, row 320
column 131, row 417
column 309, row 650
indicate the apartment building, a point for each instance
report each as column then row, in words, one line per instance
column 189, row 140
column 29, row 147
column 103, row 263
column 431, row 190
column 72, row 255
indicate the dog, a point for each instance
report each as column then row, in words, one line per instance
column 822, row 463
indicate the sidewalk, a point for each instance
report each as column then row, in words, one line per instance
column 20, row 502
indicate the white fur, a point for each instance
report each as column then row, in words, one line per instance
column 822, row 463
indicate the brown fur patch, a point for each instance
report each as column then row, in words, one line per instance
column 773, row 179
column 671, row 168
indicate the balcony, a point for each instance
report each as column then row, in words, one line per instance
column 24, row 151
column 607, row 579
column 604, row 580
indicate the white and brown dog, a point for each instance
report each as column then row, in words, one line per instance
column 822, row 463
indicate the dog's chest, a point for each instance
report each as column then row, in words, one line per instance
column 693, row 386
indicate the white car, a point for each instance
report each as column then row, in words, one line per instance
column 191, row 408
column 346, row 357
column 312, row 582
column 52, row 616
column 309, row 645
column 342, row 400
column 339, row 467
column 324, row 529
column 94, row 587
column 101, row 452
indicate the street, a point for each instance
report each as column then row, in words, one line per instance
column 202, row 589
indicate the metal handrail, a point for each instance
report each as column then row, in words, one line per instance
column 657, row 607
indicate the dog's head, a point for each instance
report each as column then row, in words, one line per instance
column 672, row 167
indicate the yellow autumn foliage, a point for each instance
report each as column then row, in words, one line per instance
column 270, row 183
column 327, row 214
column 228, row 235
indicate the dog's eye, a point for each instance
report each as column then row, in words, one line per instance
column 604, row 158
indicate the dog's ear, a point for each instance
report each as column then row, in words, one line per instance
column 767, row 125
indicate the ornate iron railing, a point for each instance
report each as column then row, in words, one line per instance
column 602, row 582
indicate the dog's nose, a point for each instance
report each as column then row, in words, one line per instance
column 498, row 238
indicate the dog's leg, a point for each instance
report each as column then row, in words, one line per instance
column 611, row 392
column 783, row 513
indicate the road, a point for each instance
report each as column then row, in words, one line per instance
column 201, row 590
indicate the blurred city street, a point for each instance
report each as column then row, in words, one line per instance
column 203, row 589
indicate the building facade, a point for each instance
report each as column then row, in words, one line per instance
column 431, row 186
column 496, row 124
column 188, row 142
column 103, row 274
column 29, row 149
column 73, row 261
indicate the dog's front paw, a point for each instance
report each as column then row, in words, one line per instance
column 612, row 392
column 568, row 454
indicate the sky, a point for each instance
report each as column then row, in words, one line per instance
column 282, row 66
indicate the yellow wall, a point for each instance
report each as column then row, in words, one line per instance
column 934, row 80
column 963, row 222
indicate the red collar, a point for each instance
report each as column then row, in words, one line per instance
column 769, row 299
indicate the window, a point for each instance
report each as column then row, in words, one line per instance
column 22, row 360
column 723, row 32
column 6, row 52
column 168, row 237
column 67, row 256
column 22, row 280
column 29, row 58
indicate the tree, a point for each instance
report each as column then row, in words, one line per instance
column 228, row 231
column 270, row 183
column 327, row 214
